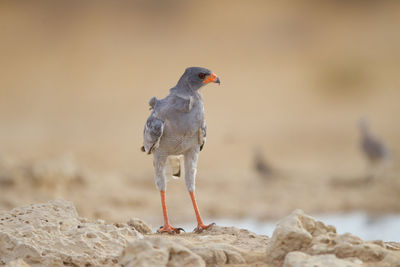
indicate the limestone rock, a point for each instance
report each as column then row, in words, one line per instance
column 140, row 226
column 300, row 259
column 219, row 254
column 17, row 263
column 52, row 234
column 293, row 233
column 156, row 251
column 225, row 245
column 300, row 232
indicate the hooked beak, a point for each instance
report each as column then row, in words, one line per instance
column 212, row 78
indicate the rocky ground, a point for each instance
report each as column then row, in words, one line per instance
column 53, row 234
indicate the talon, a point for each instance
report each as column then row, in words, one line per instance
column 197, row 230
column 202, row 227
column 170, row 230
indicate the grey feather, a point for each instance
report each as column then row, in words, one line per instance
column 153, row 102
column 182, row 103
column 153, row 131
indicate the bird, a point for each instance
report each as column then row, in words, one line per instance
column 261, row 166
column 177, row 127
column 374, row 150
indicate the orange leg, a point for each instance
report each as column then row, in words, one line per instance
column 167, row 228
column 200, row 225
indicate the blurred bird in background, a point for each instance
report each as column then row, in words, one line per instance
column 176, row 126
column 261, row 166
column 374, row 150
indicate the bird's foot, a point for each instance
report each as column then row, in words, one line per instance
column 170, row 230
column 201, row 227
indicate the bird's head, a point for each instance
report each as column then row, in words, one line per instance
column 196, row 77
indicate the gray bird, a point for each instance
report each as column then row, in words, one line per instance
column 373, row 149
column 262, row 167
column 176, row 126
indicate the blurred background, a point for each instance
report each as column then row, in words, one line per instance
column 283, row 127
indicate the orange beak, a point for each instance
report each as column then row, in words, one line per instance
column 212, row 78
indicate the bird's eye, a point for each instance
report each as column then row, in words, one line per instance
column 202, row 75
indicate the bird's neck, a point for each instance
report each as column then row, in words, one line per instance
column 185, row 90
column 184, row 84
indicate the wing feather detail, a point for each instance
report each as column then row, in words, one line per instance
column 202, row 135
column 152, row 133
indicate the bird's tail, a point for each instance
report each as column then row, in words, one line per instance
column 175, row 165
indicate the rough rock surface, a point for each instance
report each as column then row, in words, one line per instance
column 301, row 259
column 52, row 234
column 17, row 263
column 140, row 226
column 223, row 245
column 158, row 252
column 300, row 232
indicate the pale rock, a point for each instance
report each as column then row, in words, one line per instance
column 226, row 245
column 300, row 232
column 300, row 259
column 52, row 234
column 218, row 254
column 156, row 251
column 17, row 263
column 140, row 226
column 293, row 233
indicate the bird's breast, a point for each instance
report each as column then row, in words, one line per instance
column 181, row 130
column 187, row 123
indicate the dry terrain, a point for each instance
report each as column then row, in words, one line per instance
column 52, row 234
column 296, row 78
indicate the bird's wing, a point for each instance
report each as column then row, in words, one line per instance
column 181, row 102
column 153, row 131
column 202, row 135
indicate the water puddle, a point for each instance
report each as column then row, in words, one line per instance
column 386, row 227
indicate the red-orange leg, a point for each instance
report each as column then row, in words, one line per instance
column 200, row 225
column 167, row 228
